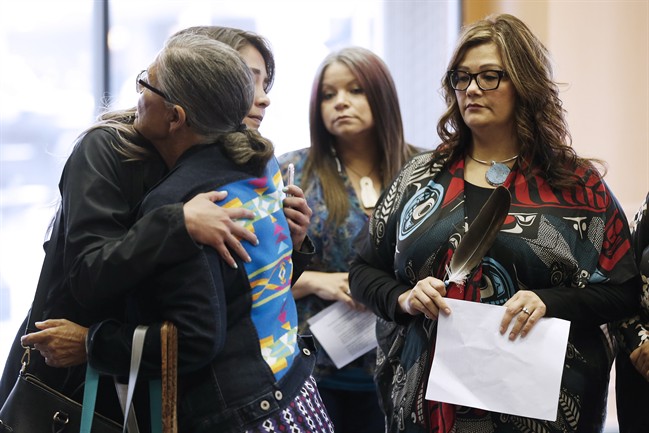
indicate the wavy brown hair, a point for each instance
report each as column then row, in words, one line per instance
column 540, row 123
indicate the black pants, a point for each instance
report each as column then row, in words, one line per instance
column 352, row 411
column 632, row 397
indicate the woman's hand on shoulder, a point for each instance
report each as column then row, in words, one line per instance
column 62, row 343
column 298, row 214
column 427, row 297
column 215, row 226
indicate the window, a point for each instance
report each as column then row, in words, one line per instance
column 46, row 98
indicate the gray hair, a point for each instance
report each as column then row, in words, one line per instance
column 209, row 80
column 215, row 88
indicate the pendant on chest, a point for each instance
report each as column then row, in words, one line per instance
column 369, row 196
column 497, row 174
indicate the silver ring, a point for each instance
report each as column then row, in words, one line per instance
column 526, row 311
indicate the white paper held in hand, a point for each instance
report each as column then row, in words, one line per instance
column 475, row 366
column 344, row 333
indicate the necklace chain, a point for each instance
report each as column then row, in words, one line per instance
column 358, row 174
column 339, row 166
column 368, row 196
column 493, row 162
column 497, row 172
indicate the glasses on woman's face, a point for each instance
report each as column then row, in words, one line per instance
column 486, row 80
column 142, row 81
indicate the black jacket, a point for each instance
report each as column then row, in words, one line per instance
column 222, row 374
column 102, row 250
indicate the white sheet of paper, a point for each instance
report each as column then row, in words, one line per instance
column 477, row 367
column 344, row 333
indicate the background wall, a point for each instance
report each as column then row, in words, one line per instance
column 419, row 39
column 601, row 53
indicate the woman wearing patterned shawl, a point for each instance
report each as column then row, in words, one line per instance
column 563, row 251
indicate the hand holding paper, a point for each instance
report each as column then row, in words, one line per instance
column 476, row 366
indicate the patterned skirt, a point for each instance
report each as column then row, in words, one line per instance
column 304, row 414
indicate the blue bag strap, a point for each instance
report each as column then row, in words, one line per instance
column 89, row 399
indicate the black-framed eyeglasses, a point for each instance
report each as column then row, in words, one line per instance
column 486, row 80
column 142, row 81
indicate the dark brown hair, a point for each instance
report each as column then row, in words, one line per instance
column 540, row 123
column 374, row 77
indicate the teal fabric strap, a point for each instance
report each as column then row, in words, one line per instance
column 155, row 391
column 155, row 399
column 89, row 399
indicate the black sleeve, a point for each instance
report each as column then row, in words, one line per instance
column 372, row 284
column 193, row 299
column 109, row 348
column 593, row 305
column 106, row 255
column 609, row 301
column 632, row 332
column 302, row 258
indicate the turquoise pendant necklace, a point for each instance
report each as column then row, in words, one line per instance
column 497, row 172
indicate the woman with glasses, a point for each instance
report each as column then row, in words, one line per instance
column 256, row 52
column 563, row 250
column 194, row 99
column 108, row 253
column 228, row 319
column 106, row 250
